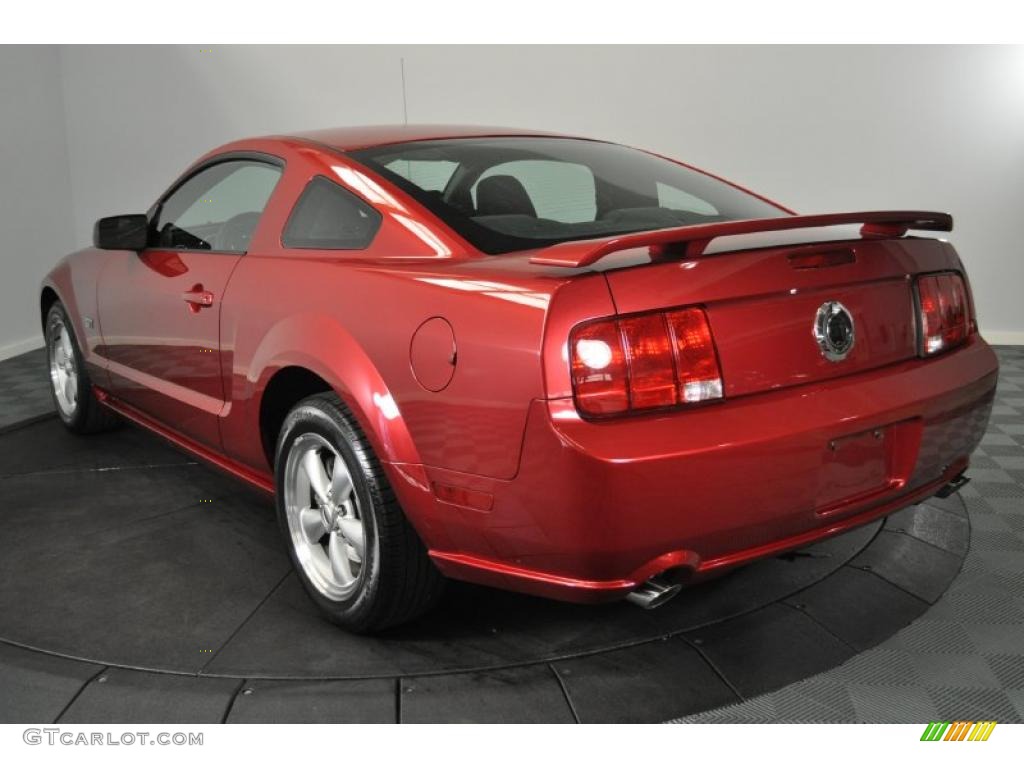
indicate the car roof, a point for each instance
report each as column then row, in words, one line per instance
column 364, row 136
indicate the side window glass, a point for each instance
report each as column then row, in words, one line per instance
column 547, row 189
column 218, row 208
column 330, row 217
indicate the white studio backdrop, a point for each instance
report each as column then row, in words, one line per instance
column 91, row 131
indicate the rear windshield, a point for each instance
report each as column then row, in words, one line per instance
column 511, row 194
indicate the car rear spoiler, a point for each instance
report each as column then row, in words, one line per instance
column 690, row 242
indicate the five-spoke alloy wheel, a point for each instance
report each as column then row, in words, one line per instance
column 356, row 554
column 73, row 396
column 63, row 370
column 324, row 518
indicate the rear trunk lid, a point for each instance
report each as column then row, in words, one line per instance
column 763, row 306
column 771, row 287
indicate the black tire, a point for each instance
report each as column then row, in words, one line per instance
column 397, row 581
column 87, row 415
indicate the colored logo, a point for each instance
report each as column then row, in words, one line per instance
column 959, row 731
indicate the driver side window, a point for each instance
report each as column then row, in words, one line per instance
column 216, row 209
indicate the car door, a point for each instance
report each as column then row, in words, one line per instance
column 159, row 309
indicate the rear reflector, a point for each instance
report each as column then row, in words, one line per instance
column 464, row 497
column 644, row 362
column 945, row 317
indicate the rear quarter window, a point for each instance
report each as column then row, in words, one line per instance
column 329, row 217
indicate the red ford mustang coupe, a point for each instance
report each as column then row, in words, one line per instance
column 535, row 362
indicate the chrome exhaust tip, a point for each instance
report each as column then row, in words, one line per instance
column 953, row 486
column 652, row 593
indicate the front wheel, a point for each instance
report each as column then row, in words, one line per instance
column 357, row 556
column 72, row 392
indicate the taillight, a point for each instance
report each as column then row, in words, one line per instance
column 644, row 362
column 696, row 358
column 945, row 313
column 651, row 373
column 599, row 369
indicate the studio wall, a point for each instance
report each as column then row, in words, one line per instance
column 35, row 188
column 818, row 128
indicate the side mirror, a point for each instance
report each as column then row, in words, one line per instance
column 122, row 233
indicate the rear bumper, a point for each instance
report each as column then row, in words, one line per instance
column 597, row 508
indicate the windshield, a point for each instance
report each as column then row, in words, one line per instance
column 513, row 193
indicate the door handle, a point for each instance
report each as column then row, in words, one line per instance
column 197, row 298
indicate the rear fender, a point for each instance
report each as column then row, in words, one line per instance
column 342, row 363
